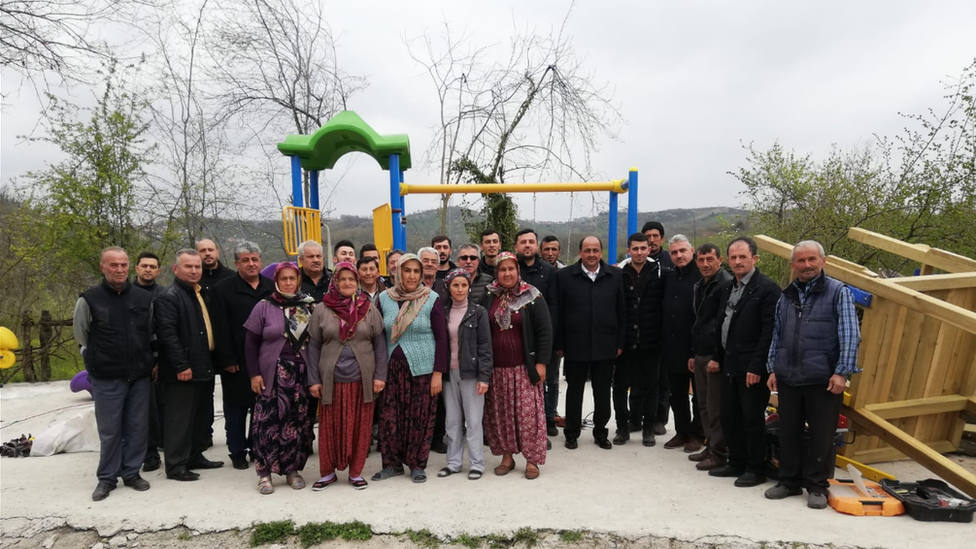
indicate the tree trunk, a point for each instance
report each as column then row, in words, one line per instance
column 45, row 339
column 27, row 354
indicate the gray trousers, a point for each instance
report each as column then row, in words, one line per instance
column 464, row 409
column 122, row 417
column 709, row 391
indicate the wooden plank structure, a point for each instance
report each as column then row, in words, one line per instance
column 917, row 353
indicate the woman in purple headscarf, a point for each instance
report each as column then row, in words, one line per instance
column 276, row 346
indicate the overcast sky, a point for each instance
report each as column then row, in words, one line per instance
column 693, row 80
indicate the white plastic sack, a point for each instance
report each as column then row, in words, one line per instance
column 77, row 434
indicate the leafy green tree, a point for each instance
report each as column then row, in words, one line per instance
column 919, row 186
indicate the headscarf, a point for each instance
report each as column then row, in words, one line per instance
column 350, row 310
column 296, row 307
column 413, row 300
column 511, row 299
column 457, row 273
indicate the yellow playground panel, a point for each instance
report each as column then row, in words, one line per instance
column 917, row 353
column 300, row 224
column 383, row 233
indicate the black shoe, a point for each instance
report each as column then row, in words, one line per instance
column 635, row 427
column 204, row 463
column 239, row 462
column 548, row 445
column 551, row 429
column 571, row 443
column 102, row 490
column 183, row 476
column 647, row 437
column 725, row 471
column 603, row 443
column 749, row 479
column 621, row 437
column 439, row 447
column 137, row 483
column 209, row 443
column 660, row 429
column 151, row 464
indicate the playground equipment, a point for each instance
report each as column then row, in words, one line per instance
column 918, row 355
column 347, row 132
column 8, row 343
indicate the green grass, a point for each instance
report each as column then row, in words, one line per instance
column 527, row 536
column 316, row 532
column 271, row 532
column 423, row 538
column 184, row 536
column 467, row 540
column 571, row 536
column 496, row 541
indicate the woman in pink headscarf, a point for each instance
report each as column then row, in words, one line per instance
column 521, row 337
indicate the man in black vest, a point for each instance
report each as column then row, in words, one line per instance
column 814, row 351
column 184, row 337
column 113, row 324
column 213, row 272
column 147, row 270
column 591, row 338
column 231, row 302
column 679, row 315
column 315, row 276
column 638, row 366
column 747, row 312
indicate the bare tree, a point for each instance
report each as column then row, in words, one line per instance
column 277, row 67
column 534, row 113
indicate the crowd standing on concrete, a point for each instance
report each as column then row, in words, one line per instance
column 439, row 356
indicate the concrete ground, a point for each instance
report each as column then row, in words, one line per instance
column 630, row 491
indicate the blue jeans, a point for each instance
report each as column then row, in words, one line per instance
column 122, row 416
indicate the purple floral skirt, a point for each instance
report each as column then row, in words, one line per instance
column 281, row 430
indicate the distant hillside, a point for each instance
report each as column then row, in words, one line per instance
column 697, row 223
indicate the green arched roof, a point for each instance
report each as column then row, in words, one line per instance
column 343, row 133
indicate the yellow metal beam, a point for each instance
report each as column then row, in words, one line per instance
column 617, row 186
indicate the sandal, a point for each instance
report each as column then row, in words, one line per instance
column 446, row 472
column 264, row 486
column 474, row 474
column 358, row 483
column 419, row 476
column 324, row 482
column 531, row 471
column 503, row 469
column 295, row 480
column 389, row 472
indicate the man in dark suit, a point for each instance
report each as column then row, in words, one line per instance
column 747, row 313
column 231, row 302
column 590, row 338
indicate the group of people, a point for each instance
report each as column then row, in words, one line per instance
column 438, row 354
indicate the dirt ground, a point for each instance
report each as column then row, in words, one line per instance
column 631, row 496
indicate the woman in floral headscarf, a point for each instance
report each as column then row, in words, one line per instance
column 349, row 370
column 276, row 347
column 521, row 337
column 416, row 342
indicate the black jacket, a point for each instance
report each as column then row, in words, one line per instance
column 644, row 310
column 479, row 287
column 592, row 324
column 211, row 277
column 664, row 258
column 231, row 301
column 536, row 333
column 679, row 315
column 474, row 342
column 751, row 330
column 317, row 291
column 181, row 334
column 119, row 335
column 707, row 295
column 542, row 275
column 153, row 289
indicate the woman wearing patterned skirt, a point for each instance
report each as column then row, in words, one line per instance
column 348, row 349
column 521, row 337
column 416, row 342
column 277, row 360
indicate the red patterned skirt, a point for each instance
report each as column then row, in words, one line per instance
column 515, row 415
column 345, row 430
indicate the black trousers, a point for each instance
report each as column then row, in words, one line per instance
column 638, row 372
column 601, row 379
column 235, row 427
column 801, row 465
column 439, row 418
column 208, row 408
column 662, row 404
column 744, row 422
column 687, row 421
column 187, row 425
column 157, row 405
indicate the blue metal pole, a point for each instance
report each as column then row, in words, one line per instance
column 313, row 189
column 632, row 202
column 403, row 208
column 396, row 204
column 612, row 237
column 296, row 182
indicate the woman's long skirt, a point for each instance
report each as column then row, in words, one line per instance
column 406, row 417
column 345, row 430
column 281, row 431
column 515, row 415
